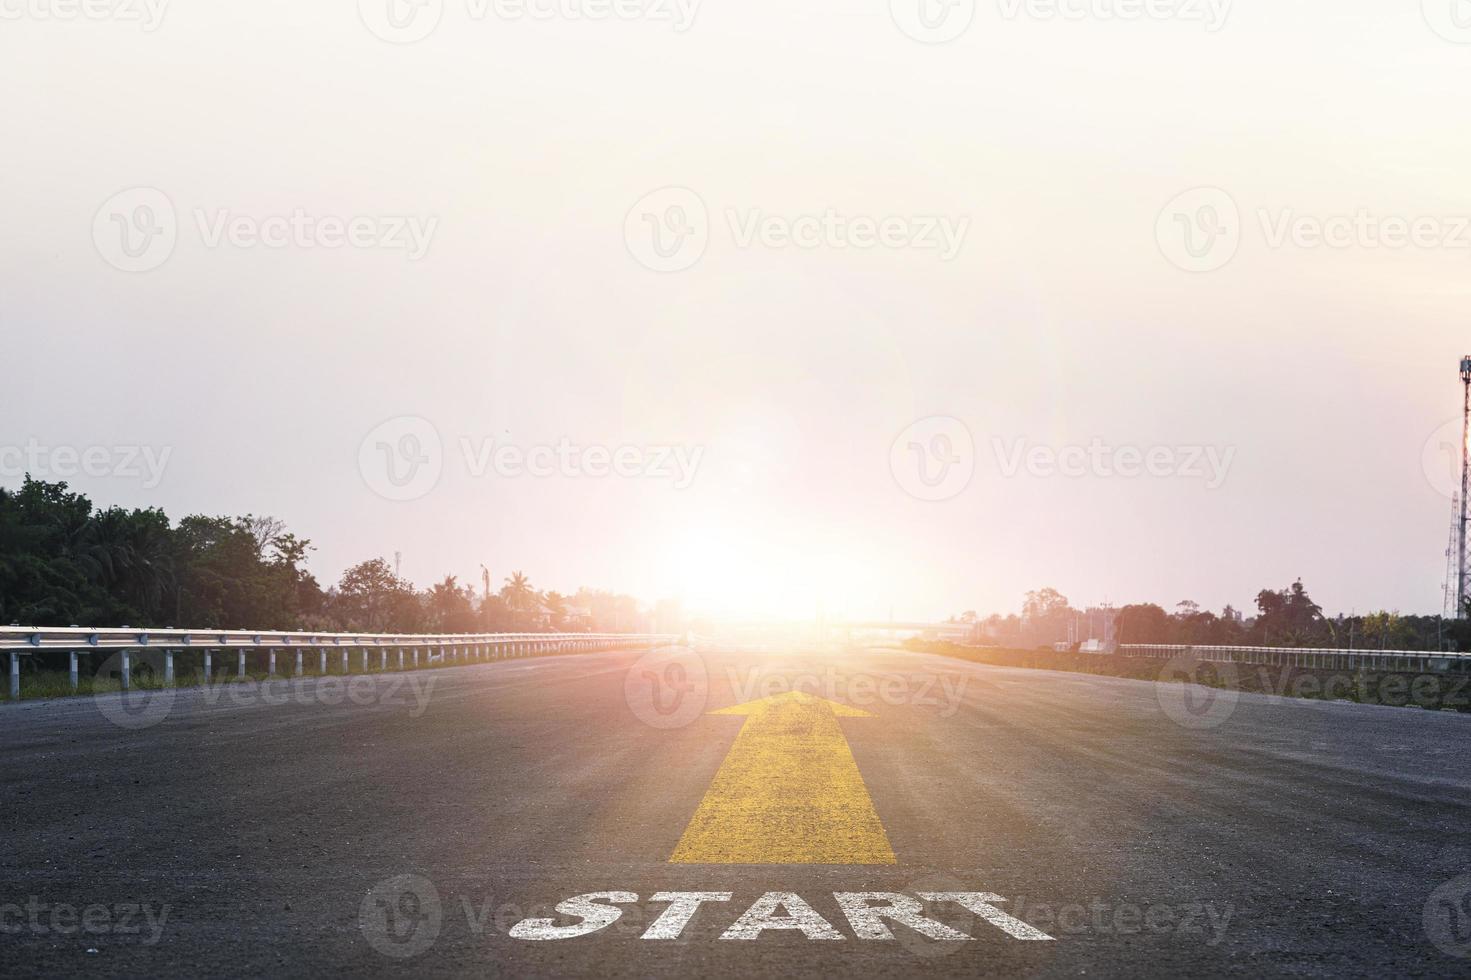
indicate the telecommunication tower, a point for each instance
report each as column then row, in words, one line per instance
column 1448, row 584
column 1465, row 485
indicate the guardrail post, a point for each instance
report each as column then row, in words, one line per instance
column 168, row 667
column 271, row 665
column 207, row 666
column 322, row 661
column 72, row 669
column 298, row 663
column 15, row 675
column 416, row 657
column 384, row 664
column 126, row 677
column 240, row 665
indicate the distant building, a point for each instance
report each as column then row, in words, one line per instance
column 578, row 618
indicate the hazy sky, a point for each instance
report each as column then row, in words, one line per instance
column 990, row 230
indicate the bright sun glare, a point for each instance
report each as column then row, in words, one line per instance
column 723, row 572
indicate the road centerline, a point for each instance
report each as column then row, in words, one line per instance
column 788, row 792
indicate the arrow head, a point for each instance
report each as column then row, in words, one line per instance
column 763, row 705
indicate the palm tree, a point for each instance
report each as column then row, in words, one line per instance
column 518, row 592
column 521, row 599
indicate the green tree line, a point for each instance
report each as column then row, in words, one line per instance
column 1286, row 617
column 64, row 562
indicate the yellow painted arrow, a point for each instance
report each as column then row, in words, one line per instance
column 788, row 792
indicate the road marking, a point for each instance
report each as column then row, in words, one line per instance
column 596, row 911
column 800, row 916
column 788, row 792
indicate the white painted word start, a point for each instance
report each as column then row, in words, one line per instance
column 868, row 913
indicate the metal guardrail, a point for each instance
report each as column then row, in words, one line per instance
column 1404, row 661
column 21, row 641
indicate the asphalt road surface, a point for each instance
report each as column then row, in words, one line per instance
column 429, row 825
